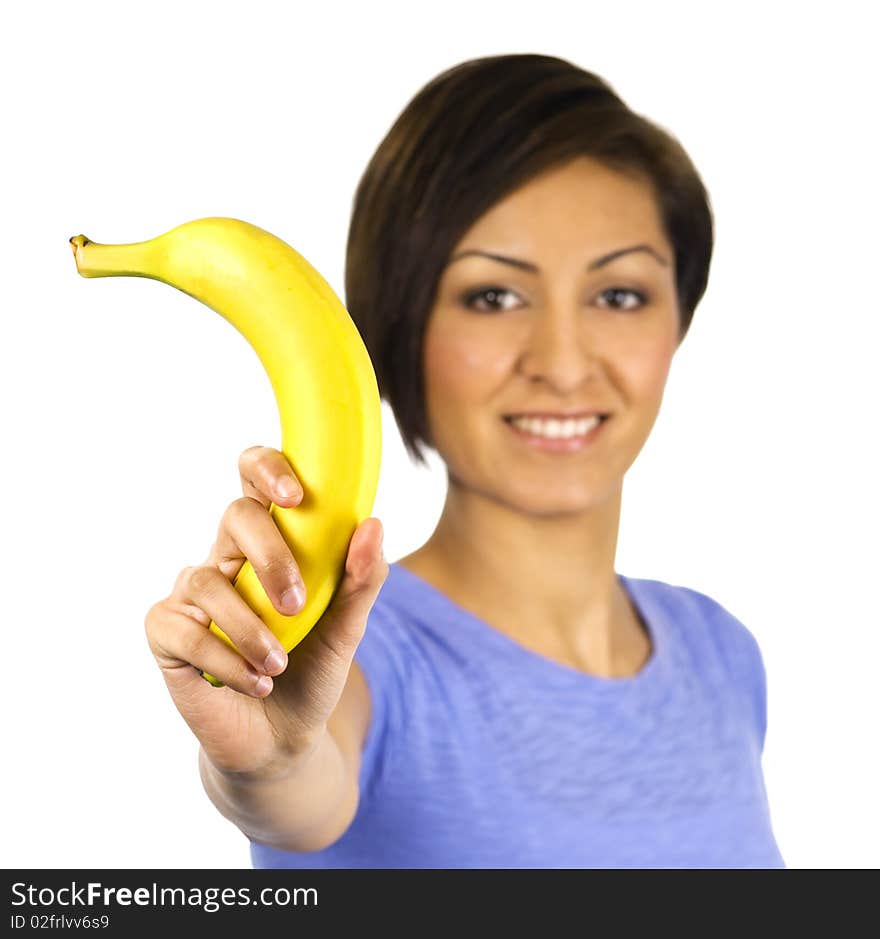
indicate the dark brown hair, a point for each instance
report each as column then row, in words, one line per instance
column 472, row 135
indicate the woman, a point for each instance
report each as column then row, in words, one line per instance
column 524, row 259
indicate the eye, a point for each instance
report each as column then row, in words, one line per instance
column 617, row 292
column 494, row 299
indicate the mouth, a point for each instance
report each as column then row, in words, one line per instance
column 561, row 434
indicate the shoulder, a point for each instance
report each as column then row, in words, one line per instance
column 714, row 638
column 700, row 620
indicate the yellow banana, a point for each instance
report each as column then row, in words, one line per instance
column 324, row 384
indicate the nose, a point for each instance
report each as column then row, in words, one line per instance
column 559, row 349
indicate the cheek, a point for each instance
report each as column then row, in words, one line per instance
column 461, row 367
column 649, row 370
column 655, row 371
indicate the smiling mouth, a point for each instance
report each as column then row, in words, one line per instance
column 554, row 428
column 554, row 436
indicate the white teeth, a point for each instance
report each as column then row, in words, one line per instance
column 570, row 427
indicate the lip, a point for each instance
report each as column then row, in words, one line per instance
column 557, row 444
column 556, row 415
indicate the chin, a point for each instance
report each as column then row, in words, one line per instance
column 547, row 502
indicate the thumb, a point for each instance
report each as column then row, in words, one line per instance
column 343, row 624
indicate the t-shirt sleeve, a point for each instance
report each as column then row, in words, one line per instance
column 742, row 657
column 384, row 655
column 747, row 667
column 754, row 678
column 760, row 694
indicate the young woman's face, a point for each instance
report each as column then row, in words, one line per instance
column 553, row 330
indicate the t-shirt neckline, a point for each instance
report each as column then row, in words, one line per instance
column 433, row 599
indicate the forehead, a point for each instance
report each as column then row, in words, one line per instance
column 582, row 200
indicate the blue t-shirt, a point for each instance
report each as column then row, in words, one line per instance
column 482, row 753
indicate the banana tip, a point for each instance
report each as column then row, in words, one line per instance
column 76, row 243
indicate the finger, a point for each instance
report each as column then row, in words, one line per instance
column 207, row 588
column 342, row 626
column 247, row 530
column 183, row 648
column 319, row 665
column 268, row 477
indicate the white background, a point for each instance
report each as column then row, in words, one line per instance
column 126, row 404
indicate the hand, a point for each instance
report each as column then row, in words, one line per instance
column 272, row 709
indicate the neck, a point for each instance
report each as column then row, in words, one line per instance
column 548, row 581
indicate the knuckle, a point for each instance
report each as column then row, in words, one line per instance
column 182, row 579
column 249, row 637
column 280, row 566
column 156, row 627
column 197, row 644
column 341, row 648
column 203, row 578
column 250, row 455
column 239, row 510
column 152, row 616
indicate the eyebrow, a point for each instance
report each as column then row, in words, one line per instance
column 533, row 268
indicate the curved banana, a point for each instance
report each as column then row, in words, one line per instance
column 324, row 384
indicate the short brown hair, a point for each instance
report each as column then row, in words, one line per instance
column 472, row 135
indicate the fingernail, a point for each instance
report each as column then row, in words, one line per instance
column 274, row 662
column 264, row 685
column 293, row 598
column 287, row 487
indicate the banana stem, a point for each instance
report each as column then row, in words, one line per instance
column 97, row 260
